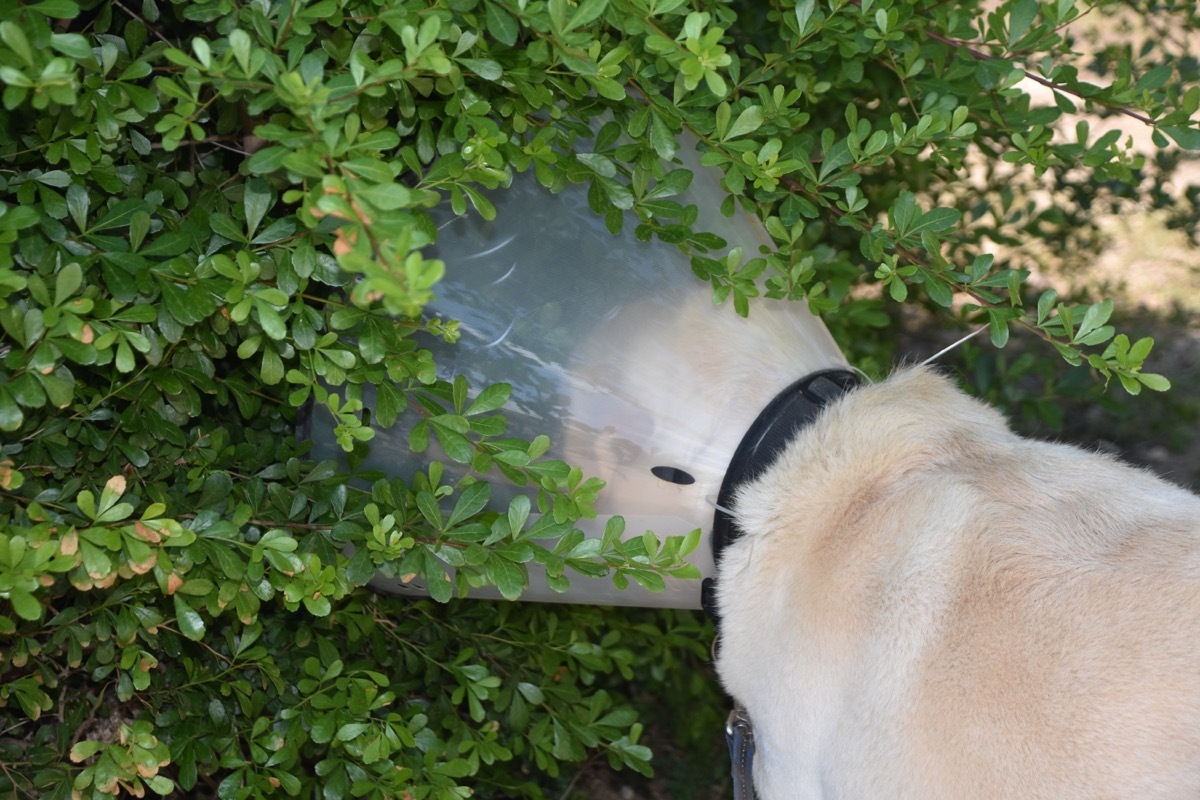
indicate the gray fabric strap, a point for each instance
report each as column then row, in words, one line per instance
column 740, row 736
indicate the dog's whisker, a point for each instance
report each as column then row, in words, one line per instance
column 860, row 372
column 718, row 506
column 945, row 350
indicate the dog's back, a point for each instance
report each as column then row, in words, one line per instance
column 925, row 605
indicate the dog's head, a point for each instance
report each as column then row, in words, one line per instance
column 798, row 518
column 869, row 436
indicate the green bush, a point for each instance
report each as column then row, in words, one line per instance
column 212, row 215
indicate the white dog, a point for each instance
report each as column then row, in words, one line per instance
column 925, row 605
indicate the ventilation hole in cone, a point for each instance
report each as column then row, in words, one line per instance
column 673, row 475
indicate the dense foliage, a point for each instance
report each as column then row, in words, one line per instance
column 212, row 217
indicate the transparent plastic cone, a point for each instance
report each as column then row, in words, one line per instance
column 615, row 350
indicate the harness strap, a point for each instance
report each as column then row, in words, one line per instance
column 739, row 735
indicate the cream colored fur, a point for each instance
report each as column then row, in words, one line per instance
column 925, row 605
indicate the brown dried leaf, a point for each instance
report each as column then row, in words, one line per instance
column 146, row 533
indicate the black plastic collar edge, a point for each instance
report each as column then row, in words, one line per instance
column 789, row 412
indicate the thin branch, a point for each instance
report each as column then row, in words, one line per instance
column 574, row 780
column 147, row 25
column 287, row 27
column 979, row 55
column 215, row 141
column 269, row 523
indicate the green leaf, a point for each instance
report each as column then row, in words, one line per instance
column 160, row 784
column 27, row 391
column 490, row 399
column 750, row 120
column 25, row 604
column 585, row 12
column 56, row 9
column 998, row 329
column 77, row 205
column 485, row 68
column 351, row 730
column 257, row 201
column 55, row 177
column 935, row 221
column 1046, row 304
column 16, row 80
column 436, row 579
column 190, row 623
column 904, row 213
column 1096, row 315
column 224, row 226
column 500, row 24
column 674, row 182
column 119, row 215
column 139, row 226
column 270, row 320
column 662, row 139
column 268, row 160
column 59, row 390
column 1140, row 350
column 216, row 491
column 804, row 12
column 455, row 444
column 277, row 230
column 271, row 371
column 651, row 581
column 531, row 692
column 360, row 569
column 599, row 163
column 72, row 45
column 1154, row 382
column 427, row 504
column 82, row 751
column 390, row 196
column 470, row 502
column 15, row 218
column 323, row 728
column 1129, row 382
column 189, row 306
column 1020, row 18
column 510, row 578
column 485, row 207
column 518, row 513
column 836, row 157
column 418, row 437
column 11, row 416
column 457, row 768
column 939, row 292
column 12, row 35
column 67, row 282
column 1187, row 138
column 240, row 44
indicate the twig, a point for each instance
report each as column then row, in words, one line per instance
column 582, row 769
column 267, row 523
column 87, row 723
column 979, row 55
column 153, row 30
